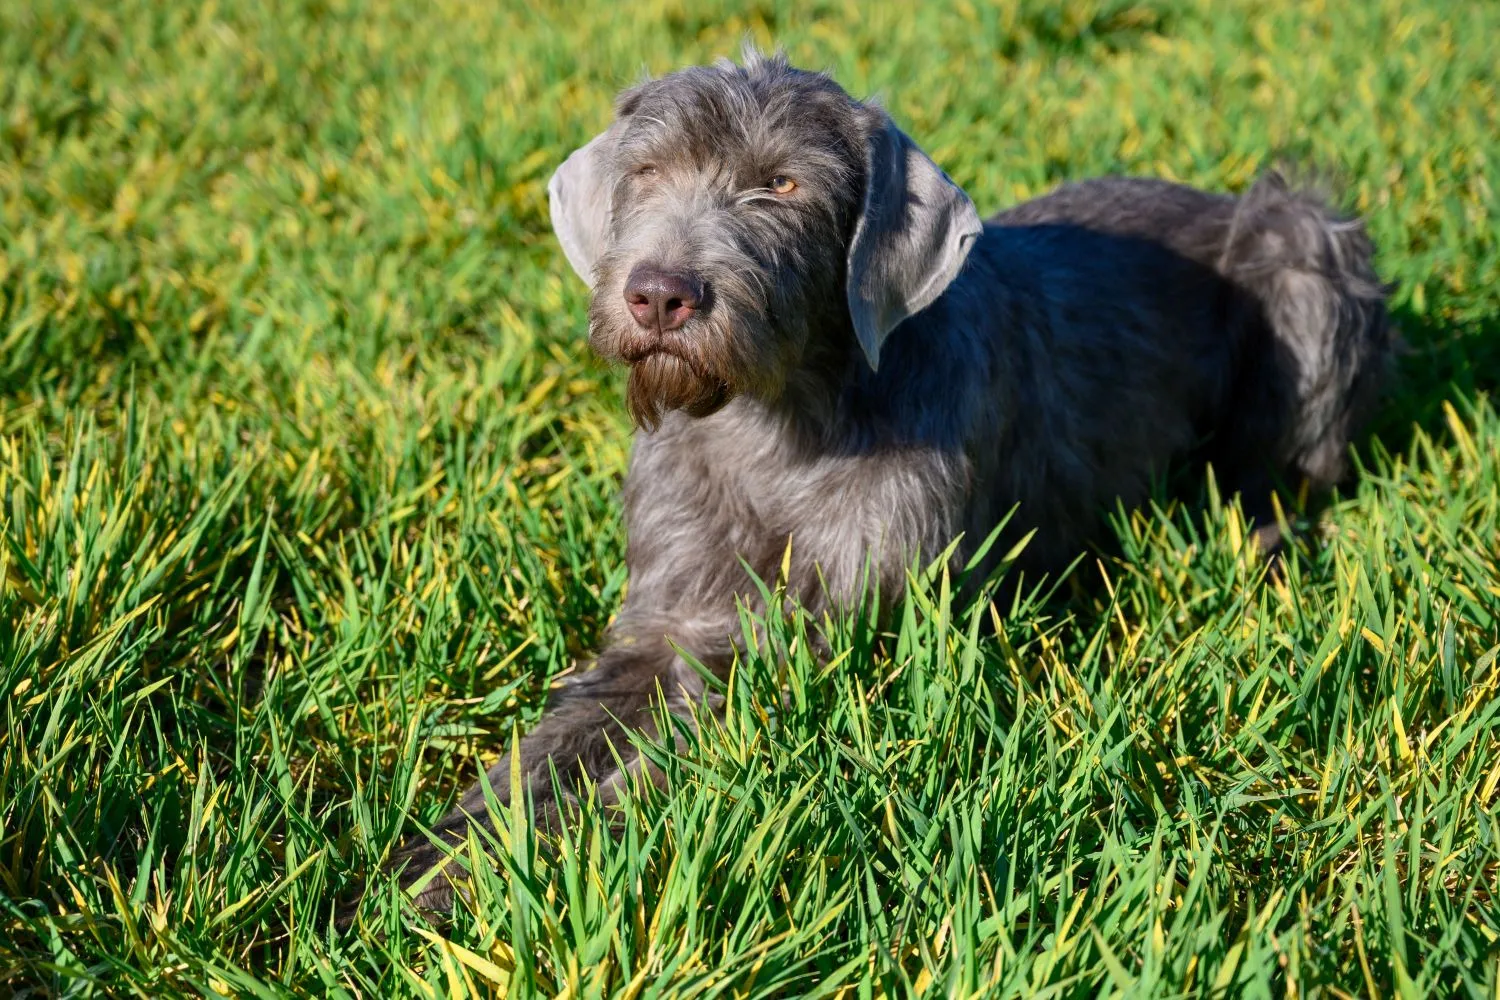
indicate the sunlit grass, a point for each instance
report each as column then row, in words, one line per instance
column 308, row 490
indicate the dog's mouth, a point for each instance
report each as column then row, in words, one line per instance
column 676, row 369
column 636, row 350
column 661, row 380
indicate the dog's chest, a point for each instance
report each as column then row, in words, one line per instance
column 715, row 492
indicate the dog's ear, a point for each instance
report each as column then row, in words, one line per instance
column 914, row 231
column 579, row 197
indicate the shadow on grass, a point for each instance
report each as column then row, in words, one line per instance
column 1441, row 361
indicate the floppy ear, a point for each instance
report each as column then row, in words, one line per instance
column 914, row 231
column 579, row 196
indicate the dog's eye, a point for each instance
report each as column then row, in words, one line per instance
column 646, row 170
column 781, row 184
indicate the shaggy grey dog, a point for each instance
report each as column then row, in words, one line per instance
column 827, row 346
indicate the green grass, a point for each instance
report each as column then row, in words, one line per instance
column 308, row 490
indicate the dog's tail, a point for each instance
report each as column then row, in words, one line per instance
column 1312, row 275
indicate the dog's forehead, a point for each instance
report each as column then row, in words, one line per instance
column 708, row 113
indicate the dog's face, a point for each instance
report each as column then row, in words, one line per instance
column 731, row 215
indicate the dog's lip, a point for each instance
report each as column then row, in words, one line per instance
column 636, row 353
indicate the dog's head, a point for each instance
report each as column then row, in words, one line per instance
column 730, row 214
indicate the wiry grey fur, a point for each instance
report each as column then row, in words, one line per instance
column 871, row 372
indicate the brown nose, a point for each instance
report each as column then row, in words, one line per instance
column 663, row 300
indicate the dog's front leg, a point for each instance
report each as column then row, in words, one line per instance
column 584, row 727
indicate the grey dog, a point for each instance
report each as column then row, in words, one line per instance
column 827, row 347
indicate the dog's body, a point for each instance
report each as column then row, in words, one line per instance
column 829, row 349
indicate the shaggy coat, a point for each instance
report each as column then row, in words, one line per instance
column 826, row 346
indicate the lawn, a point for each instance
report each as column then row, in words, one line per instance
column 309, row 489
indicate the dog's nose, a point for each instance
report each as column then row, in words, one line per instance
column 662, row 300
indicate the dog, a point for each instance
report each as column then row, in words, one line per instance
column 827, row 347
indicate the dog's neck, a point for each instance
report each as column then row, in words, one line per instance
column 834, row 402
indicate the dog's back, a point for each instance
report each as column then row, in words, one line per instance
column 1302, row 307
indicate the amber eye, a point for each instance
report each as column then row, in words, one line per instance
column 782, row 185
column 646, row 170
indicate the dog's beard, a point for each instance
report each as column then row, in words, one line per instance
column 662, row 382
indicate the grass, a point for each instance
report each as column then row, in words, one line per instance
column 308, row 490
